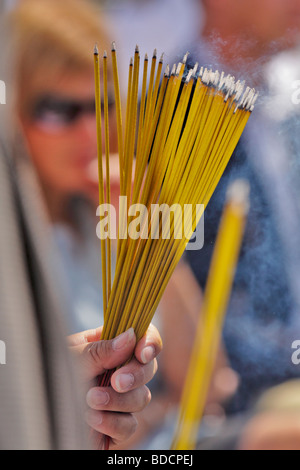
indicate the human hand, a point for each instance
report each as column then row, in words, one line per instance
column 110, row 409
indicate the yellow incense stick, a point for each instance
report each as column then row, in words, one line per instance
column 108, row 198
column 100, row 168
column 209, row 329
column 118, row 110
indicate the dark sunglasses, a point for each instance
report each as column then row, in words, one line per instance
column 53, row 112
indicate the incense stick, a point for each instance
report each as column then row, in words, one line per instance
column 107, row 178
column 208, row 335
column 100, row 168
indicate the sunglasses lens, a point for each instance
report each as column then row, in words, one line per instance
column 55, row 113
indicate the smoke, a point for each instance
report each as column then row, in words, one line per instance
column 263, row 317
column 268, row 321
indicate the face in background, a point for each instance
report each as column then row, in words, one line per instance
column 265, row 21
column 62, row 140
column 275, row 20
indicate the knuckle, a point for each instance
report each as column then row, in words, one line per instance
column 94, row 419
column 124, row 426
column 141, row 375
column 99, row 351
column 94, row 352
column 105, row 348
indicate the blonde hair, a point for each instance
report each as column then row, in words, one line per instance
column 54, row 37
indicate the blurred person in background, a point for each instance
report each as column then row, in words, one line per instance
column 273, row 423
column 55, row 104
column 53, row 94
column 263, row 316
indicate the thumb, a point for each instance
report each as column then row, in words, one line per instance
column 99, row 356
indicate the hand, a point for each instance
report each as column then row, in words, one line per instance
column 110, row 409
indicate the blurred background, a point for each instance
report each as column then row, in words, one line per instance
column 254, row 390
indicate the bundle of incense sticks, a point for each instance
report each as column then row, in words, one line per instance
column 180, row 131
column 208, row 334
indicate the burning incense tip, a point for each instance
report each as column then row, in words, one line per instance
column 238, row 195
column 113, row 46
column 167, row 71
column 194, row 71
column 155, row 53
column 185, row 58
column 137, row 49
column 105, row 55
column 189, row 76
column 146, row 56
column 131, row 62
column 178, row 68
column 96, row 50
column 162, row 58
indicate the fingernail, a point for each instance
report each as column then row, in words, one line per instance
column 98, row 397
column 122, row 340
column 124, row 382
column 147, row 354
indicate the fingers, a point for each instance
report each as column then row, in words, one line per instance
column 110, row 413
column 133, row 375
column 84, row 337
column 110, row 408
column 107, row 399
column 118, row 426
column 98, row 356
column 149, row 346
